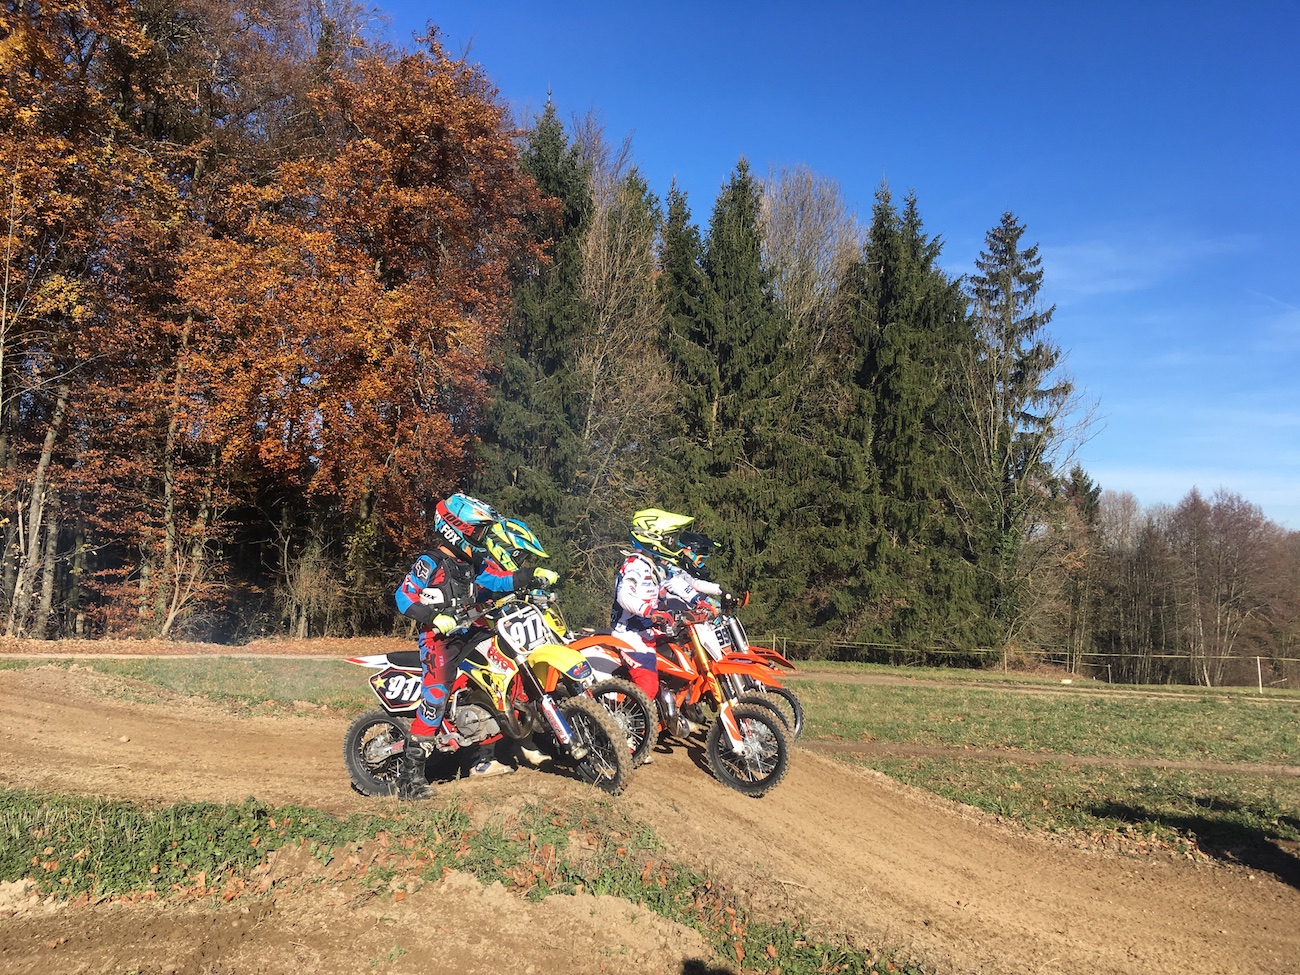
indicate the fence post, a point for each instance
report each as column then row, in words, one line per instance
column 1259, row 673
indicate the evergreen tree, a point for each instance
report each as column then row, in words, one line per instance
column 530, row 450
column 687, row 338
column 912, row 325
column 1012, row 405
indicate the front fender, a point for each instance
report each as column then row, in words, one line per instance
column 774, row 655
column 762, row 673
column 552, row 660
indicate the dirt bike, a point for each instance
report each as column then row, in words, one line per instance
column 515, row 682
column 746, row 743
column 632, row 708
column 730, row 638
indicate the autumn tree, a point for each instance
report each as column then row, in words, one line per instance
column 90, row 221
column 350, row 305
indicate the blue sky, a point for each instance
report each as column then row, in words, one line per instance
column 1152, row 149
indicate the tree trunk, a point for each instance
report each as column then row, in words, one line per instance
column 30, row 547
column 49, row 571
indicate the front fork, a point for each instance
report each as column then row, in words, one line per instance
column 730, row 727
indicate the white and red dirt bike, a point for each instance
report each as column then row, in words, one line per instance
column 515, row 682
column 635, row 712
column 731, row 640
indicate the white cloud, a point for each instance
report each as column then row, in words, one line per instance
column 1129, row 260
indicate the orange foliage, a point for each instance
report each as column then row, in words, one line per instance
column 350, row 304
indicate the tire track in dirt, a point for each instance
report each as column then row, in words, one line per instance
column 886, row 749
column 850, row 852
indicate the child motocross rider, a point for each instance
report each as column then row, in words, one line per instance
column 651, row 586
column 468, row 564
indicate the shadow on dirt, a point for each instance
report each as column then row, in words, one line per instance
column 694, row 966
column 1222, row 838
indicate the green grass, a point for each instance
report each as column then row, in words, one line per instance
column 1245, row 816
column 961, row 716
column 69, row 846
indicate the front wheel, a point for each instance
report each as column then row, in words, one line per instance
column 634, row 713
column 372, row 752
column 606, row 762
column 764, row 755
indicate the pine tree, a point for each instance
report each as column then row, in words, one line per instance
column 687, row 338
column 530, row 451
column 1012, row 406
column 912, row 324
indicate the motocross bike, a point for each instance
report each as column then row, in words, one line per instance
column 746, row 744
column 730, row 638
column 632, row 708
column 514, row 682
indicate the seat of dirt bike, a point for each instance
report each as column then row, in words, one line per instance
column 405, row 658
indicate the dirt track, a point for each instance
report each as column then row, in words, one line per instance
column 851, row 853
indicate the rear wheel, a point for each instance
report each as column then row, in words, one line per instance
column 606, row 762
column 763, row 757
column 787, row 704
column 634, row 713
column 372, row 752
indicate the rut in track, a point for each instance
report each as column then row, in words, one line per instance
column 849, row 853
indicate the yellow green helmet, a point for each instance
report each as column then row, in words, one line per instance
column 510, row 535
column 655, row 530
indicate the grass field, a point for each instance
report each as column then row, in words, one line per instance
column 1193, row 772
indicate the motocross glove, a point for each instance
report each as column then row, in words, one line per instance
column 547, row 577
column 663, row 621
column 445, row 624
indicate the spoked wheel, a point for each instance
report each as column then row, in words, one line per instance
column 634, row 713
column 606, row 762
column 763, row 757
column 755, row 699
column 372, row 752
column 786, row 702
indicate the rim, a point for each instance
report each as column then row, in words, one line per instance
column 760, row 752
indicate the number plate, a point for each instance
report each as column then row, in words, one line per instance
column 524, row 629
column 399, row 690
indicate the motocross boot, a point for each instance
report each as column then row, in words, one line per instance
column 411, row 783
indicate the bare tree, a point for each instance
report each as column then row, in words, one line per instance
column 626, row 383
column 1222, row 549
column 810, row 240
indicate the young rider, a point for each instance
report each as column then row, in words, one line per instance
column 649, row 588
column 468, row 563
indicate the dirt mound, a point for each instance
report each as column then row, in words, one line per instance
column 851, row 854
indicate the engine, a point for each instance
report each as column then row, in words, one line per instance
column 474, row 722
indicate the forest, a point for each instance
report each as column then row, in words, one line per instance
column 272, row 287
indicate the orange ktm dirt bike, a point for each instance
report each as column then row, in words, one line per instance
column 729, row 638
column 515, row 682
column 631, row 707
column 746, row 745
